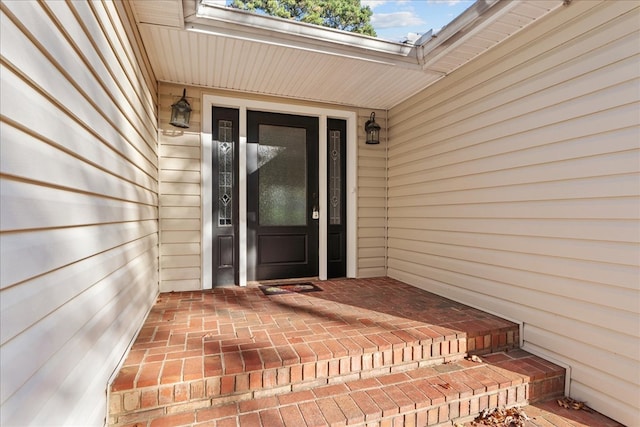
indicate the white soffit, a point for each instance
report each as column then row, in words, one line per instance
column 487, row 28
column 159, row 12
column 225, row 48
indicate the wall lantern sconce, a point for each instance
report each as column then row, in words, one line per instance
column 181, row 112
column 372, row 129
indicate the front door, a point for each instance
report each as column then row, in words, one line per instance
column 282, row 196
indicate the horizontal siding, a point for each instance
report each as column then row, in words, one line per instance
column 514, row 186
column 180, row 198
column 372, row 182
column 79, row 206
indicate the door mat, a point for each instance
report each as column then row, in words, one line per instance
column 289, row 288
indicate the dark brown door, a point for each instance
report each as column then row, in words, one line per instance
column 336, row 194
column 225, row 196
column 282, row 168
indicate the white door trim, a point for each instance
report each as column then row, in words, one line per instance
column 243, row 105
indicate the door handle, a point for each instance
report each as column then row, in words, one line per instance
column 315, row 213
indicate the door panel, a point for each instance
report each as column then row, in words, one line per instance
column 277, row 249
column 225, row 196
column 282, row 163
column 336, row 194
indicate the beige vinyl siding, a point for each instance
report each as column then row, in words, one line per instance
column 514, row 186
column 78, row 210
column 372, row 182
column 180, row 199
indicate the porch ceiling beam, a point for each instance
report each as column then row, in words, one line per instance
column 211, row 18
column 223, row 21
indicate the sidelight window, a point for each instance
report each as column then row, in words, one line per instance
column 225, row 173
column 335, row 178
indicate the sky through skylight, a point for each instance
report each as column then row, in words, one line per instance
column 394, row 20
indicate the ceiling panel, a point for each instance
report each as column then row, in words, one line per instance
column 194, row 59
column 318, row 70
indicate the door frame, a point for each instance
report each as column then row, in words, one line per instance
column 243, row 105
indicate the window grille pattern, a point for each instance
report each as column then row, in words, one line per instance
column 225, row 173
column 335, row 178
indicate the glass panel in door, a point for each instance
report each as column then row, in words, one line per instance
column 282, row 160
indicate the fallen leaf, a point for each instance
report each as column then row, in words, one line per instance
column 569, row 403
column 512, row 417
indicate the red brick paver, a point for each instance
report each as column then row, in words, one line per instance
column 359, row 352
column 241, row 330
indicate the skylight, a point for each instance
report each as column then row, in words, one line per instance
column 405, row 20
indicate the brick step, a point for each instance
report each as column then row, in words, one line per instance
column 424, row 396
column 257, row 371
column 198, row 349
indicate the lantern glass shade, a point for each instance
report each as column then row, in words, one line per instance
column 181, row 112
column 373, row 130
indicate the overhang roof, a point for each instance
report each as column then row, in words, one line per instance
column 196, row 42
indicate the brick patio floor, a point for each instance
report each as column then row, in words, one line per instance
column 363, row 352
